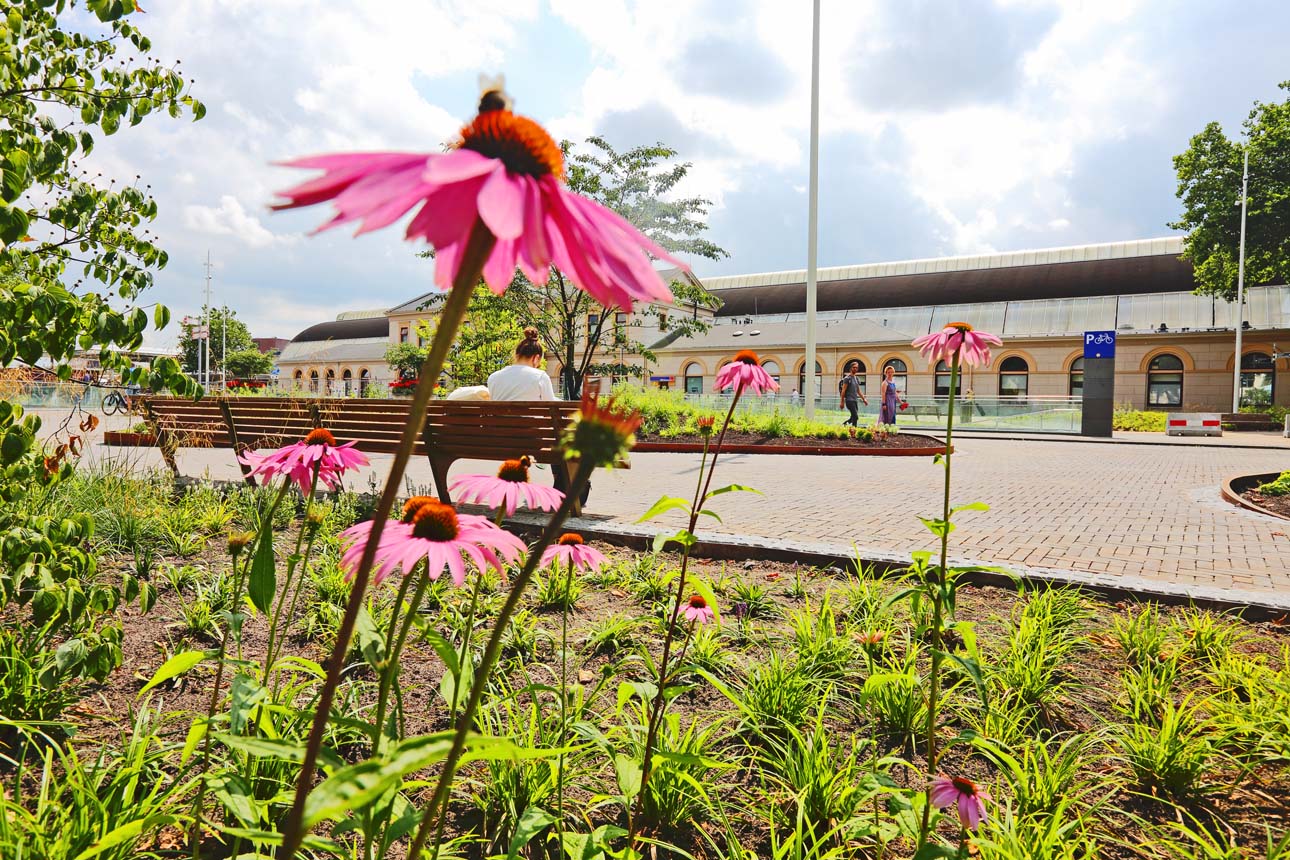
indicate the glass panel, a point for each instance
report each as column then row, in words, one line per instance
column 987, row 316
column 943, row 385
column 1014, row 384
column 913, row 321
column 1256, row 388
column 694, row 385
column 1164, row 389
column 1077, row 383
column 1256, row 361
column 897, row 365
column 1166, row 362
column 1176, row 311
column 1014, row 364
column 1077, row 364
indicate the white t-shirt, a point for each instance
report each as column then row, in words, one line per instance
column 520, row 382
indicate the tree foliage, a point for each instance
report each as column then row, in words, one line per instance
column 246, row 363
column 60, row 87
column 227, row 333
column 1209, row 186
column 486, row 340
column 638, row 184
column 405, row 359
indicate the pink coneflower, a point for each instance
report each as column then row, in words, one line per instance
column 507, row 489
column 698, row 610
column 435, row 532
column 508, row 172
column 972, row 346
column 962, row 793
column 571, row 550
column 746, row 372
column 316, row 452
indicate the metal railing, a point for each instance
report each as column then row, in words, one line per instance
column 1003, row 414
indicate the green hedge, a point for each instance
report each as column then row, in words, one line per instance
column 1139, row 421
column 666, row 414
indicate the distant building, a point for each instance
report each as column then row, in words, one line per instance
column 1175, row 349
column 270, row 345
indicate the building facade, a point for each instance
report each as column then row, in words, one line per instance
column 1175, row 350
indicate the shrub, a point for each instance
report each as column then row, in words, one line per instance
column 1138, row 421
column 1279, row 487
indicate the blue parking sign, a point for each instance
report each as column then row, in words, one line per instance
column 1099, row 344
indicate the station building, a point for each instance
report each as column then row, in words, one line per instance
column 1175, row 350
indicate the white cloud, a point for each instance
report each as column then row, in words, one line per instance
column 231, row 219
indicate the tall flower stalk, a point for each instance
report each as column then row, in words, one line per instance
column 956, row 343
column 744, row 372
column 494, row 201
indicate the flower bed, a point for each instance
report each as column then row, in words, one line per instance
column 1267, row 493
column 742, row 442
column 128, row 439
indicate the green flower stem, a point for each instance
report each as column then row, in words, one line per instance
column 274, row 634
column 564, row 699
column 435, row 815
column 938, row 606
column 395, row 636
column 659, row 703
column 478, row 246
column 198, row 811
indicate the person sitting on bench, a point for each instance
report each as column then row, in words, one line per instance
column 524, row 379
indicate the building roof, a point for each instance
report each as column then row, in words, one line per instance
column 770, row 336
column 421, row 302
column 346, row 329
column 359, row 315
column 348, row 350
column 1120, row 268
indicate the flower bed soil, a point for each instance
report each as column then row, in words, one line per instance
column 124, row 438
column 907, row 444
column 1242, row 491
column 1245, row 807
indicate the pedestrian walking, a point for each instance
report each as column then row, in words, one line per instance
column 851, row 393
column 890, row 397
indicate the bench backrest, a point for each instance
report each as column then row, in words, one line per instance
column 458, row 429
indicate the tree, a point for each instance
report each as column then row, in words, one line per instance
column 1209, row 185
column 486, row 340
column 636, row 184
column 61, row 86
column 405, row 359
column 226, row 332
column 246, row 363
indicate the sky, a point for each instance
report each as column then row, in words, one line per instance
column 946, row 126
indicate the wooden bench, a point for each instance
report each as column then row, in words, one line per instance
column 451, row 430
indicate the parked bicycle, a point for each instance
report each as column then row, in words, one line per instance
column 114, row 403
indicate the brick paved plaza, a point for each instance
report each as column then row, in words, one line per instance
column 1152, row 511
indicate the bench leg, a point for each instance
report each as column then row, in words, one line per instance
column 439, row 469
column 565, row 468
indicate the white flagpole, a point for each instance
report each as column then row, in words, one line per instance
column 812, row 221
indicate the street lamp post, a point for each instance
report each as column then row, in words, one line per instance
column 812, row 219
column 1240, row 286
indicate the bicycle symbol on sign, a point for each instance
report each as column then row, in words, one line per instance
column 1102, row 338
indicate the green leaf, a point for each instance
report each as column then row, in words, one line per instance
column 970, row 506
column 160, row 317
column 532, row 822
column 263, row 581
column 275, row 748
column 940, row 528
column 126, row 833
column 235, row 793
column 733, row 488
column 628, row 771
column 357, row 785
column 684, row 537
column 662, row 506
column 370, row 641
column 174, row 667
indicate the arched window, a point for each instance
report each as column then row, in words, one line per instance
column 1258, row 379
column 313, row 380
column 300, row 374
column 901, row 376
column 859, row 369
column 364, row 378
column 347, row 380
column 693, row 374
column 1165, row 382
column 1076, row 385
column 771, row 366
column 1014, row 377
column 943, row 375
column 818, row 389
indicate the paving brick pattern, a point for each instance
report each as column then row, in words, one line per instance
column 1148, row 512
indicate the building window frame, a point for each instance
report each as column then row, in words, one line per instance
column 1014, row 377
column 404, row 331
column 1165, row 382
column 769, row 363
column 900, row 377
column 692, row 378
column 1075, row 378
column 819, row 379
column 942, row 379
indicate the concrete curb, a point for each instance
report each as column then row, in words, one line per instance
column 1231, row 494
column 1252, row 605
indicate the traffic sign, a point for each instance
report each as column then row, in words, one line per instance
column 1099, row 344
column 275, row 371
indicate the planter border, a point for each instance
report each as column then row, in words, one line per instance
column 129, row 439
column 1233, row 495
column 667, row 447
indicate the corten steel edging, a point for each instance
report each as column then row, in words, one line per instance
column 1251, row 605
column 666, row 447
column 1231, row 493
